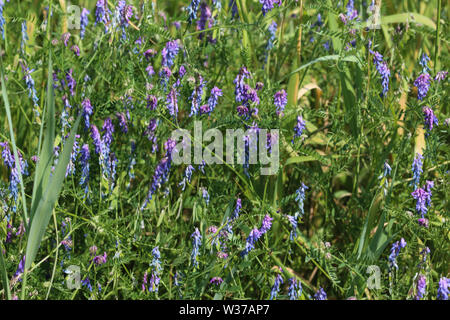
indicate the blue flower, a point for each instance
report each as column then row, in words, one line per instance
column 196, row 243
column 266, row 224
column 187, row 177
column 192, row 10
column 280, row 101
column 429, row 119
column 423, row 85
column 172, row 102
column 87, row 112
column 443, row 289
column 84, row 21
column 268, row 5
column 84, row 160
column 320, row 295
column 213, row 98
column 295, row 289
column 276, row 286
column 156, row 272
column 253, row 236
column 299, row 128
column 421, row 287
column 102, row 13
column 395, row 251
column 169, row 53
column 196, row 96
column 417, row 170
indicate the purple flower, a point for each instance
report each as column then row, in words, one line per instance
column 299, row 127
column 240, row 91
column 169, row 53
column 108, row 129
column 272, row 29
column 87, row 112
column 205, row 18
column 156, row 272
column 150, row 70
column 234, row 10
column 295, row 289
column 253, row 236
column 443, row 289
column 2, row 19
column 320, row 295
column 87, row 283
column 294, row 224
column 71, row 83
column 421, row 287
column 280, row 101
column 395, row 250
column 424, row 63
column 165, row 74
column 441, row 75
column 422, row 197
column 300, row 198
column 429, row 119
column 152, row 102
column 84, row 160
column 65, row 38
column 423, row 222
column 276, row 286
column 423, row 85
column 216, row 280
column 99, row 260
column 237, row 209
column 20, row 269
column 162, row 171
column 268, row 5
column 98, row 144
column 102, row 13
column 352, row 13
column 213, row 98
column 75, row 50
column 30, row 84
column 187, row 177
column 205, row 195
column 150, row 53
column 196, row 242
column 24, row 36
column 196, row 96
column 84, row 21
column 150, row 133
column 242, row 111
column 266, row 224
column 73, row 156
column 122, row 122
column 14, row 179
column 383, row 69
column 172, row 102
column 417, row 170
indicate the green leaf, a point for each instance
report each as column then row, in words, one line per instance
column 4, row 274
column 46, row 204
column 325, row 58
column 408, row 17
column 42, row 174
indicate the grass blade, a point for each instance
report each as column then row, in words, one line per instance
column 46, row 155
column 46, row 204
column 4, row 274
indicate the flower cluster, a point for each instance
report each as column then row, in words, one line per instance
column 196, row 242
column 395, row 251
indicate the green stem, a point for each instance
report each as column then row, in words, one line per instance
column 438, row 26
